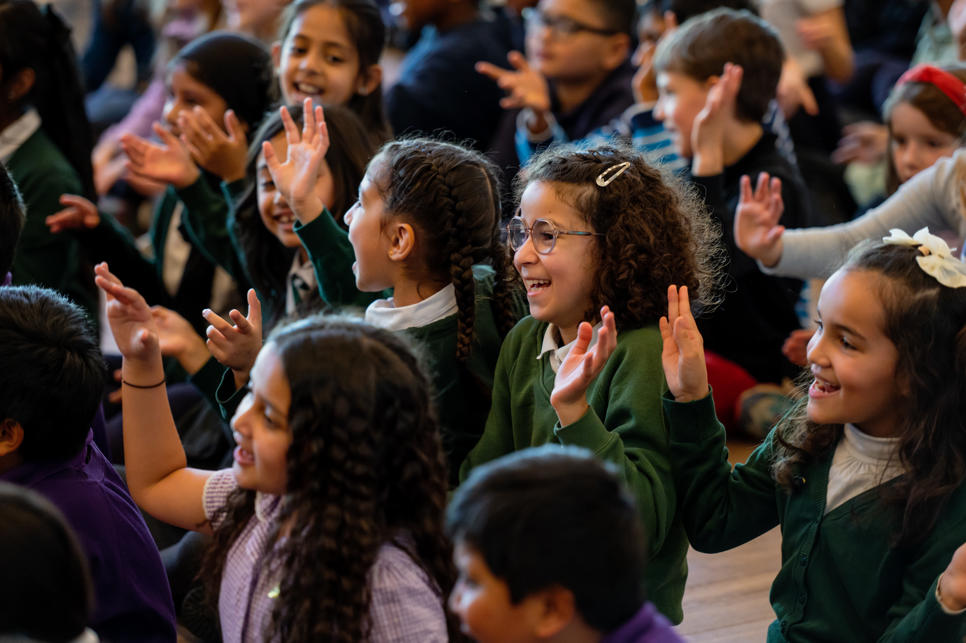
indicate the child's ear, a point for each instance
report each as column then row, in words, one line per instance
column 276, row 54
column 558, row 609
column 617, row 50
column 402, row 240
column 11, row 436
column 369, row 80
column 21, row 84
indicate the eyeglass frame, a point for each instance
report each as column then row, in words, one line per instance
column 535, row 17
column 553, row 228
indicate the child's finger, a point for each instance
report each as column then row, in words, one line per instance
column 166, row 136
column 761, row 186
column 291, row 130
column 684, row 305
column 241, row 324
column 672, row 303
column 271, row 161
column 518, row 60
column 233, row 126
column 216, row 321
column 491, row 71
column 206, row 124
column 254, row 308
column 308, row 120
column 196, row 152
column 744, row 183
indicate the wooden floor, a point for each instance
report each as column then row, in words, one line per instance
column 726, row 598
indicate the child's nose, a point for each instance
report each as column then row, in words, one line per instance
column 815, row 351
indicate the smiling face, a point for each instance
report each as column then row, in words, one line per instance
column 852, row 359
column 370, row 243
column 185, row 93
column 559, row 284
column 680, row 99
column 260, row 427
column 318, row 59
column 916, row 143
column 272, row 207
column 482, row 602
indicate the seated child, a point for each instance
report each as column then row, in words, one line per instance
column 716, row 77
column 596, row 227
column 438, row 91
column 46, row 594
column 866, row 475
column 576, row 76
column 51, row 384
column 528, row 573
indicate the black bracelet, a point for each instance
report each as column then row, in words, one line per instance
column 143, row 387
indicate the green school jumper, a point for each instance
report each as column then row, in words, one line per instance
column 624, row 425
column 43, row 258
column 840, row 579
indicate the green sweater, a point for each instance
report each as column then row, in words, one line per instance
column 840, row 579
column 624, row 424
column 43, row 258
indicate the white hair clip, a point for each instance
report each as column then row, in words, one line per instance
column 607, row 177
column 937, row 258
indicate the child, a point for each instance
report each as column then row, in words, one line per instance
column 45, row 143
column 426, row 225
column 216, row 73
column 716, row 77
column 578, row 77
column 329, row 524
column 12, row 217
column 47, row 593
column 438, row 91
column 596, row 227
column 865, row 477
column 926, row 116
column 517, row 519
column 51, row 384
column 329, row 51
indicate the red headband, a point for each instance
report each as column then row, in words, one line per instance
column 942, row 80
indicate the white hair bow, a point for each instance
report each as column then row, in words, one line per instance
column 937, row 260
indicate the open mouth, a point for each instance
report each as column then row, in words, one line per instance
column 821, row 388
column 534, row 286
column 307, row 89
column 243, row 456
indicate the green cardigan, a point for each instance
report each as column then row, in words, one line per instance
column 840, row 579
column 43, row 258
column 624, row 425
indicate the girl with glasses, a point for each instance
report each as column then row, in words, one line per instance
column 598, row 238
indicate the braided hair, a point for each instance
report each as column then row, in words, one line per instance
column 364, row 469
column 451, row 194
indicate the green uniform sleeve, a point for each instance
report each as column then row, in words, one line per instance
column 721, row 508
column 332, row 257
column 205, row 218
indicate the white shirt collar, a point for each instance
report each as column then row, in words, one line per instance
column 383, row 313
column 867, row 448
column 557, row 352
column 17, row 133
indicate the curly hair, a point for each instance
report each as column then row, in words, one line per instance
column 927, row 323
column 365, row 468
column 654, row 231
column 266, row 261
column 451, row 195
column 937, row 107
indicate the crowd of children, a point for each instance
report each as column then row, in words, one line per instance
column 449, row 349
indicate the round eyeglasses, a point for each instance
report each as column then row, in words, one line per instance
column 560, row 26
column 543, row 233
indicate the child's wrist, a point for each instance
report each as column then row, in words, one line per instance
column 308, row 210
column 570, row 412
column 190, row 177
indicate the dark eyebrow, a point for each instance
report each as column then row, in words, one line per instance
column 847, row 330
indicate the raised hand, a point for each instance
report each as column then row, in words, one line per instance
column 581, row 368
column 864, row 142
column 793, row 92
column 79, row 213
column 644, row 84
column 683, row 354
column 952, row 582
column 236, row 346
column 179, row 339
column 526, row 88
column 134, row 328
column 221, row 153
column 707, row 133
column 756, row 230
column 168, row 161
column 795, row 347
column 297, row 177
